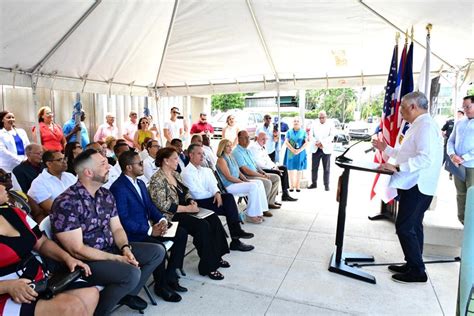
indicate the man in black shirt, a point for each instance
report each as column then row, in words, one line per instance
column 29, row 169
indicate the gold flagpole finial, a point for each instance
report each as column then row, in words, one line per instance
column 406, row 36
column 429, row 26
column 397, row 37
column 412, row 33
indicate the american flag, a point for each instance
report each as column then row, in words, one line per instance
column 389, row 114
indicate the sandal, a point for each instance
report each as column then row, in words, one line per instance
column 224, row 264
column 253, row 219
column 216, row 275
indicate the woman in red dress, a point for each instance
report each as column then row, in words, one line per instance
column 19, row 235
column 51, row 134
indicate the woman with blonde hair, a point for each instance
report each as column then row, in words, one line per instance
column 295, row 155
column 236, row 183
column 230, row 130
column 51, row 134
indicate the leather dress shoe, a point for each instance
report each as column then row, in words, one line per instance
column 399, row 268
column 267, row 214
column 240, row 246
column 167, row 294
column 272, row 207
column 326, row 187
column 288, row 198
column 410, row 277
column 277, row 203
column 175, row 286
column 243, row 234
column 313, row 186
column 134, row 302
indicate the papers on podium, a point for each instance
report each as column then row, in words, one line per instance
column 203, row 213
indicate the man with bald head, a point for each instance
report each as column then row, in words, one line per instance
column 107, row 129
column 264, row 161
column 30, row 168
column 322, row 134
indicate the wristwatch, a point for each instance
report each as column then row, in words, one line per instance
column 125, row 246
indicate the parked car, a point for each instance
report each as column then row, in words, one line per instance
column 244, row 120
column 361, row 129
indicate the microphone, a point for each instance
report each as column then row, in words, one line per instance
column 369, row 150
column 344, row 159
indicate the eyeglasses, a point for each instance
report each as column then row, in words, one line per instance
column 174, row 112
column 5, row 177
column 146, row 123
column 465, row 107
column 268, row 118
column 137, row 163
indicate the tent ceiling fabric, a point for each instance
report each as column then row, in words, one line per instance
column 214, row 45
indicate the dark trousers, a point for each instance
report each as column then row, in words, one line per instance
column 409, row 226
column 208, row 238
column 120, row 279
column 228, row 208
column 167, row 274
column 316, row 158
column 272, row 156
column 285, row 184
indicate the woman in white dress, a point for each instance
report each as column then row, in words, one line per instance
column 13, row 142
column 236, row 183
column 230, row 130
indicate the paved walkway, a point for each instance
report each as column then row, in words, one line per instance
column 287, row 273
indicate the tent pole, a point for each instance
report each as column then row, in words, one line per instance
column 36, row 107
column 168, row 35
column 279, row 144
column 40, row 65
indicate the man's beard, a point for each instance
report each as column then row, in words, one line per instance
column 101, row 179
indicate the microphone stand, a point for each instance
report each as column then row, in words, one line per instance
column 342, row 158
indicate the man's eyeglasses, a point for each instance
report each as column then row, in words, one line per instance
column 5, row 177
column 174, row 112
column 268, row 118
column 465, row 107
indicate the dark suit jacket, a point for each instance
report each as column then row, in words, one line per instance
column 134, row 212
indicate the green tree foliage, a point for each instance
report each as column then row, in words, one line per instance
column 226, row 102
column 338, row 103
column 373, row 107
column 470, row 91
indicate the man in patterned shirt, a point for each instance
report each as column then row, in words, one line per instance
column 85, row 221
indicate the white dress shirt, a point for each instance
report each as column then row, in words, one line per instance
column 261, row 157
column 419, row 157
column 135, row 185
column 210, row 156
column 270, row 145
column 149, row 169
column 8, row 154
column 324, row 133
column 129, row 130
column 46, row 186
column 201, row 181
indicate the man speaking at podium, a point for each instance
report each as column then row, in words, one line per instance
column 416, row 171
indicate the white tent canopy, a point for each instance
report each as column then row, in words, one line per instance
column 185, row 47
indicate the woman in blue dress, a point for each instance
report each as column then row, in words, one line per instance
column 295, row 155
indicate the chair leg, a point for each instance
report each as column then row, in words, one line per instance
column 152, row 299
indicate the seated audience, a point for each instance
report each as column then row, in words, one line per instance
column 110, row 142
column 70, row 152
column 149, row 166
column 52, row 181
column 143, row 222
column 85, row 221
column 30, row 168
column 143, row 152
column 264, row 162
column 183, row 160
column 20, row 200
column 20, row 236
column 172, row 197
column 236, row 183
column 12, row 142
column 247, row 166
column 203, row 188
column 51, row 134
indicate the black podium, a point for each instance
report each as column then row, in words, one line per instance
column 339, row 259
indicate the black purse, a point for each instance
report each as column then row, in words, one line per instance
column 53, row 283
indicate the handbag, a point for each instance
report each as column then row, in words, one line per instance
column 52, row 283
